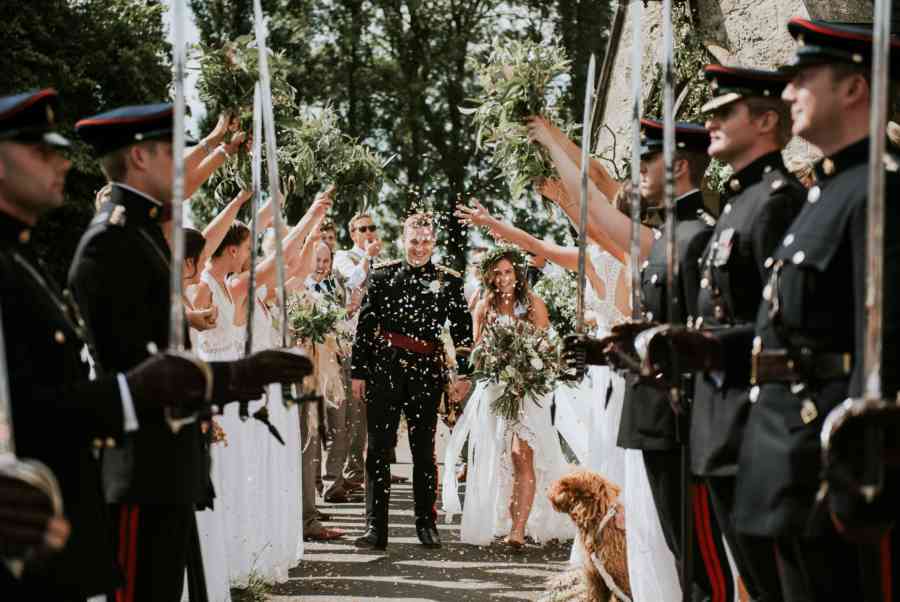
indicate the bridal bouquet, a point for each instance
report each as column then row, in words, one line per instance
column 520, row 357
column 313, row 320
column 519, row 80
column 559, row 293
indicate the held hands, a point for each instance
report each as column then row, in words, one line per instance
column 358, row 387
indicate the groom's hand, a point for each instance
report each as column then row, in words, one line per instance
column 358, row 387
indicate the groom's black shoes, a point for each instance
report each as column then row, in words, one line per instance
column 429, row 537
column 372, row 540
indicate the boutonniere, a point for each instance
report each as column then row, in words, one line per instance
column 435, row 286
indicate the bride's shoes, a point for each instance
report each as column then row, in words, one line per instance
column 514, row 545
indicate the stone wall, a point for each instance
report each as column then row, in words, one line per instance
column 752, row 33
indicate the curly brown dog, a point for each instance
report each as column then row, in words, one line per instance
column 587, row 497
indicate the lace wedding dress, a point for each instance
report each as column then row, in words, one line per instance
column 485, row 513
column 651, row 566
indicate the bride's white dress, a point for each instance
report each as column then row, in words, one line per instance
column 485, row 513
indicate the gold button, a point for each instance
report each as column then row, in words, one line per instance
column 59, row 337
column 727, row 209
column 767, row 292
column 735, row 185
column 798, row 257
column 767, row 169
column 25, row 236
column 110, row 442
column 98, row 443
column 769, row 262
column 828, row 167
column 654, row 278
column 777, row 184
column 754, row 394
column 788, row 240
column 699, row 323
column 153, row 212
column 757, row 344
column 649, row 315
column 704, row 283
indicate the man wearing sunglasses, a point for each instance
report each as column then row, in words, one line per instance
column 354, row 264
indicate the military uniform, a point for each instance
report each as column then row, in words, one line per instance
column 398, row 353
column 648, row 422
column 761, row 201
column 806, row 356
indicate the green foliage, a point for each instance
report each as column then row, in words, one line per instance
column 691, row 55
column 559, row 292
column 520, row 79
column 99, row 54
column 520, row 358
column 313, row 319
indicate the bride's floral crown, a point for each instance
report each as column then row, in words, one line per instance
column 509, row 252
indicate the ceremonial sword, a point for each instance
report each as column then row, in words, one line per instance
column 636, row 65
column 585, row 158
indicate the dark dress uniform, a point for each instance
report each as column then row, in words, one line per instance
column 807, row 354
column 154, row 478
column 59, row 417
column 398, row 353
column 648, row 422
column 761, row 202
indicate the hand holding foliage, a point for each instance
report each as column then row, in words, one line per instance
column 313, row 319
column 519, row 80
column 519, row 356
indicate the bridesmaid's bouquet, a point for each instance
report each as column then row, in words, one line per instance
column 520, row 79
column 314, row 320
column 520, row 357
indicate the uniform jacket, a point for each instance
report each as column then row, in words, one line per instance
column 59, row 416
column 648, row 421
column 761, row 201
column 120, row 276
column 415, row 302
column 814, row 302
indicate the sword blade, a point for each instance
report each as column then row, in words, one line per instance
column 176, row 306
column 7, row 439
column 585, row 158
column 636, row 65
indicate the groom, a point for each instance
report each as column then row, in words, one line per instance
column 398, row 366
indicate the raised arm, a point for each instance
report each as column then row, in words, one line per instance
column 195, row 176
column 216, row 230
column 610, row 228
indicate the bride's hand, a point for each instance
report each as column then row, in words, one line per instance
column 539, row 130
column 460, row 389
column 476, row 215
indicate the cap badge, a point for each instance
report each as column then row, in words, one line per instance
column 828, row 167
column 735, row 185
column 50, row 115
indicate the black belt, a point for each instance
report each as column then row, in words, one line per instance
column 791, row 366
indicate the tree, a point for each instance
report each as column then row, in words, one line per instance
column 396, row 72
column 98, row 54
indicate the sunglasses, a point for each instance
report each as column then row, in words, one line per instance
column 372, row 228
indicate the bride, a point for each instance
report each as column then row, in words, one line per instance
column 511, row 462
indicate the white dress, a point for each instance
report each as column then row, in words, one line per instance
column 651, row 566
column 281, row 545
column 485, row 514
column 217, row 344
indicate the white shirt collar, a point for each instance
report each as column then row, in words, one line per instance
column 137, row 192
column 688, row 193
column 357, row 250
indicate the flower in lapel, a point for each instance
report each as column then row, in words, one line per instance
column 435, row 286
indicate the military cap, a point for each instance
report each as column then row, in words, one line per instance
column 31, row 117
column 125, row 126
column 730, row 84
column 824, row 42
column 688, row 137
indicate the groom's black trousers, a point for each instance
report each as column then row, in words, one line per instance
column 411, row 384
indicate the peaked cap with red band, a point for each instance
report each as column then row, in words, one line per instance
column 824, row 42
column 689, row 137
column 125, row 126
column 30, row 117
column 730, row 84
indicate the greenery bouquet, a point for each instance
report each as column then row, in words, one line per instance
column 519, row 80
column 559, row 292
column 314, row 319
column 521, row 358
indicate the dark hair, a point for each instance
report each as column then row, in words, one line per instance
column 759, row 105
column 327, row 225
column 194, row 241
column 520, row 265
column 236, row 234
column 697, row 164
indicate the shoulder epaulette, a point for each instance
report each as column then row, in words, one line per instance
column 706, row 218
column 447, row 270
column 387, row 264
